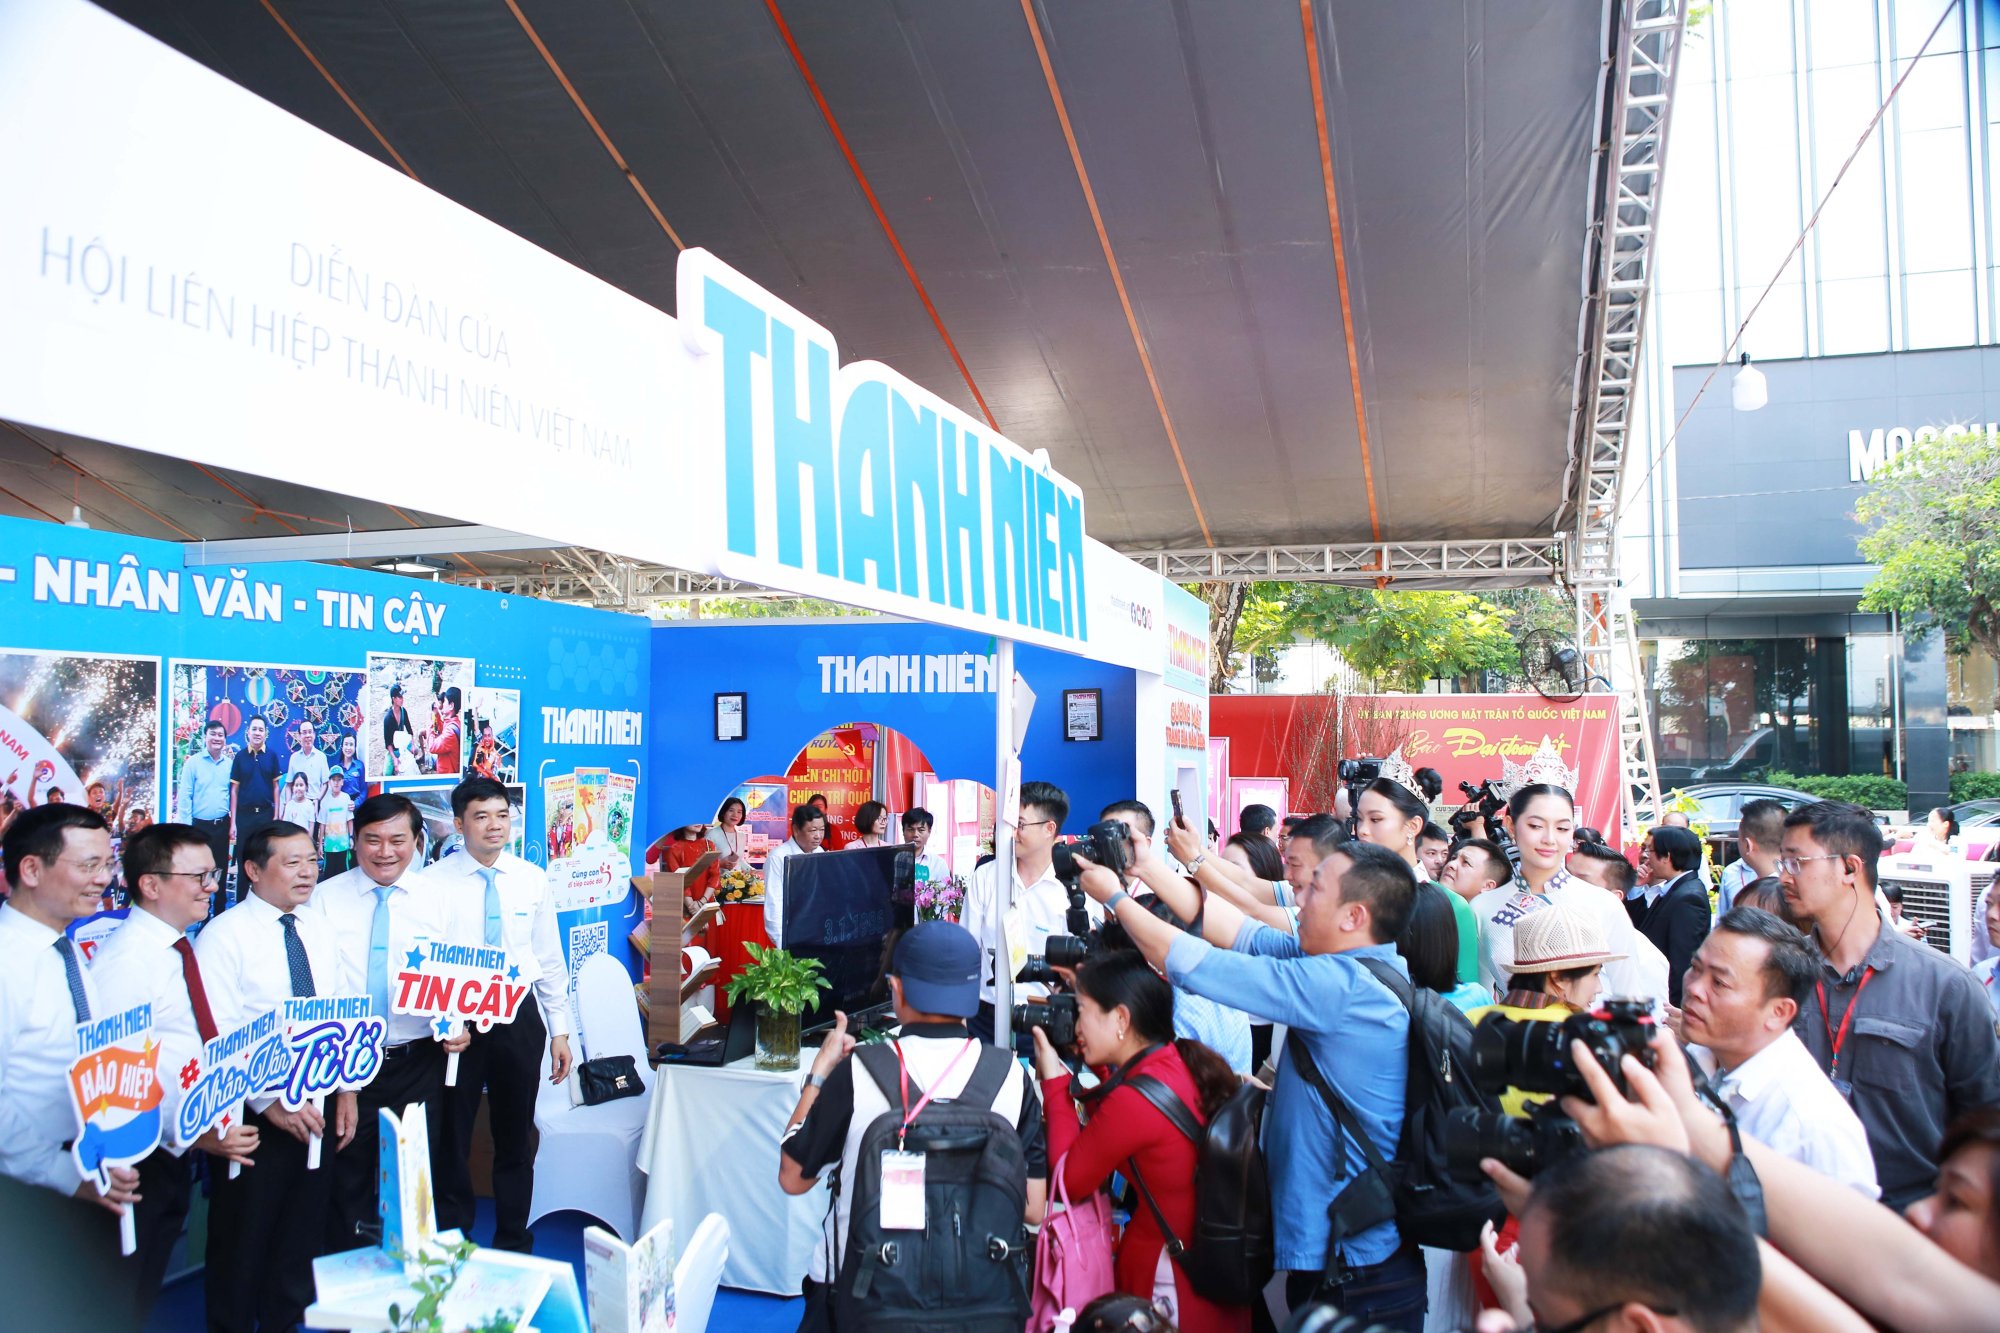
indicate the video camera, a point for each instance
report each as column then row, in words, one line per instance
column 1489, row 805
column 1535, row 1057
column 1354, row 774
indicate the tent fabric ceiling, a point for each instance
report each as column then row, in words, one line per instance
column 1461, row 139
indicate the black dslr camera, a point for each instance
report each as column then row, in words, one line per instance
column 1104, row 844
column 1057, row 1018
column 1535, row 1057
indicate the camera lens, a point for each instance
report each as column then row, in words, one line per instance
column 1065, row 950
column 1523, row 1145
column 1532, row 1056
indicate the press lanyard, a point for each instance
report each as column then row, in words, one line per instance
column 1839, row 1038
column 903, row 1078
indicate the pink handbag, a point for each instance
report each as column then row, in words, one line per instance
column 1073, row 1264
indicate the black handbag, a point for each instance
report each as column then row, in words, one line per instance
column 607, row 1079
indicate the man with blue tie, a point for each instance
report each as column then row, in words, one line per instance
column 267, row 1223
column 511, row 900
column 58, row 861
column 377, row 911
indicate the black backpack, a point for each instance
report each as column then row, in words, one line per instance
column 1229, row 1258
column 966, row 1271
column 1428, row 1204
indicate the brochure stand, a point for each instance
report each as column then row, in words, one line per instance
column 667, row 990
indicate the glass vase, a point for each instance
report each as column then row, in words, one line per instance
column 777, row 1040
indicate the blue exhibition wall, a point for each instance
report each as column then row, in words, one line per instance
column 933, row 685
column 68, row 595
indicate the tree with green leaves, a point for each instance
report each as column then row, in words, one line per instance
column 1400, row 639
column 1933, row 514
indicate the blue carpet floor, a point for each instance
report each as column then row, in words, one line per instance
column 180, row 1309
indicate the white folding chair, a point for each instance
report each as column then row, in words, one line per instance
column 588, row 1159
column 699, row 1273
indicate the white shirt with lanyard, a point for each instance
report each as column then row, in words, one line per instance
column 902, row 1170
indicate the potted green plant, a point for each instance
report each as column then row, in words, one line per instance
column 782, row 986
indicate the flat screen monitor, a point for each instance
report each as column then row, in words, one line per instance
column 847, row 910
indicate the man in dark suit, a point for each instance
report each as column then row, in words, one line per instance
column 1671, row 908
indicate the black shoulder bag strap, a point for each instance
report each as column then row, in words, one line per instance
column 879, row 1060
column 989, row 1075
column 1169, row 1104
column 1398, row 984
column 1378, row 1178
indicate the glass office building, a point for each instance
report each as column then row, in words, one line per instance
column 1739, row 539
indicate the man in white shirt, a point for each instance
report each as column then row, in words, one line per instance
column 1743, row 989
column 917, row 824
column 309, row 759
column 377, row 911
column 265, row 1226
column 58, row 861
column 1759, row 832
column 511, row 901
column 808, row 835
column 1039, row 903
column 170, row 872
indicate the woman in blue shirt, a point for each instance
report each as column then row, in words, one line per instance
column 353, row 773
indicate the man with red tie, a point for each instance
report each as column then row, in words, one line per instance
column 170, row 871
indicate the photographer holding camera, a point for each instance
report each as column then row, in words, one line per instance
column 1221, row 1029
column 1035, row 906
column 1125, row 1029
column 1345, row 1024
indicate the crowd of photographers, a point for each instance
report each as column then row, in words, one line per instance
column 1355, row 1070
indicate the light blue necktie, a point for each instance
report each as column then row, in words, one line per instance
column 492, row 878
column 378, row 952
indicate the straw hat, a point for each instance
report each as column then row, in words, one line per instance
column 1556, row 939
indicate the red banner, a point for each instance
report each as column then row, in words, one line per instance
column 1466, row 737
column 839, row 764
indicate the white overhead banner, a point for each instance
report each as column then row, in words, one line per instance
column 189, row 270
column 853, row 483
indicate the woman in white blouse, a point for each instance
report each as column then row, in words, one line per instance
column 726, row 833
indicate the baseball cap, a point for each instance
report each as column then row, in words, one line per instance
column 938, row 964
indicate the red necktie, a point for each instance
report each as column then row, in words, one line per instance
column 204, row 1021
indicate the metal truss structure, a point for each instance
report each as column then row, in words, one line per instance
column 611, row 584
column 1632, row 160
column 1504, row 563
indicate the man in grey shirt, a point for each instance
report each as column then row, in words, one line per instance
column 1905, row 1033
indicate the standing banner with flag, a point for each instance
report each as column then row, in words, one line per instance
column 114, row 1088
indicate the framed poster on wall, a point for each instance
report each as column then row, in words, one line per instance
column 732, row 716
column 1083, row 715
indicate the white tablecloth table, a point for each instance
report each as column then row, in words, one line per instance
column 711, row 1146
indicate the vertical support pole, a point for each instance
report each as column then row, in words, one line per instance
column 1003, row 842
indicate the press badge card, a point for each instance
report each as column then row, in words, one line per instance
column 902, row 1190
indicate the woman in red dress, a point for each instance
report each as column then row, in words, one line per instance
column 1125, row 1026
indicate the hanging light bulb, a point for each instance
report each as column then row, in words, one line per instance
column 76, row 518
column 1749, row 391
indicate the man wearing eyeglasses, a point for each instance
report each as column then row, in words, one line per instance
column 1904, row 1032
column 1039, row 902
column 58, row 860
column 170, row 869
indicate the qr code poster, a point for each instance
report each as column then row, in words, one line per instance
column 584, row 940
